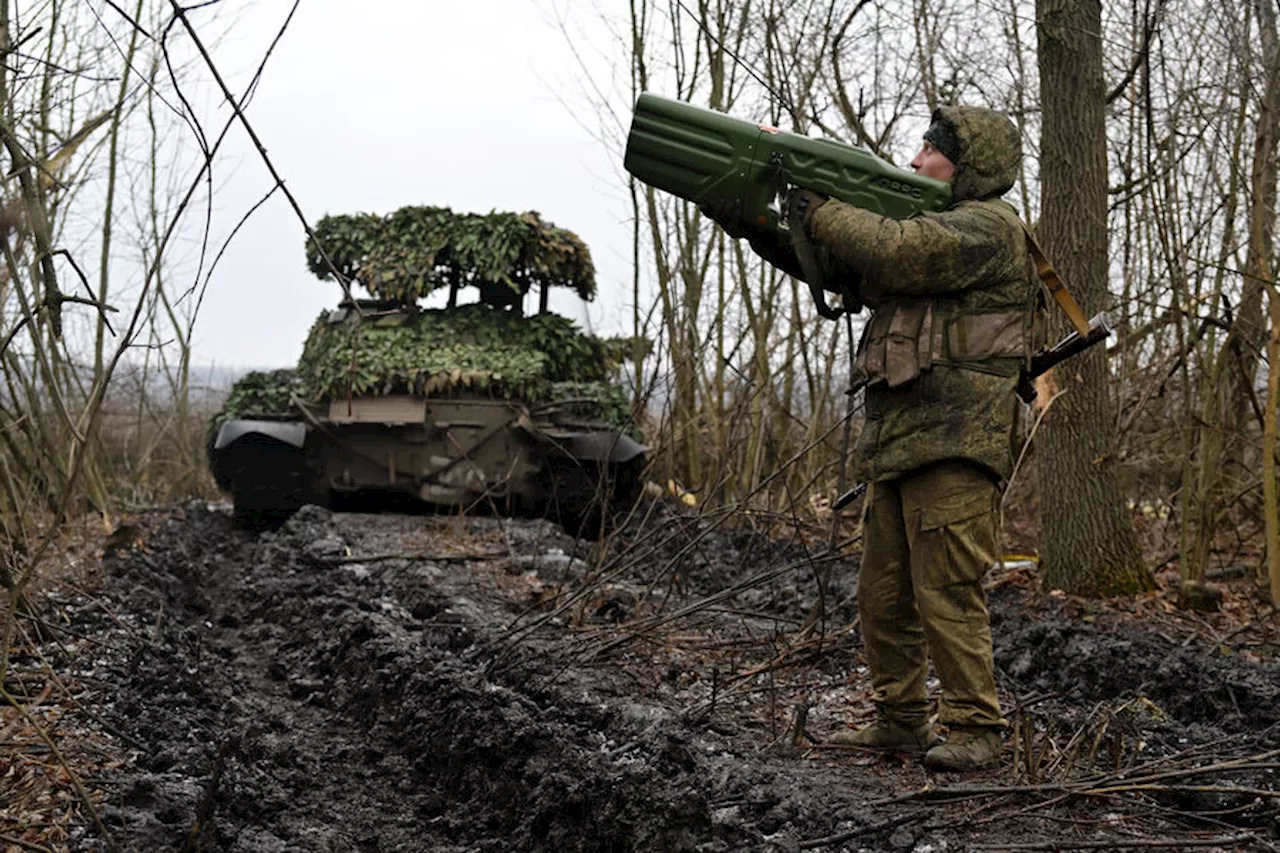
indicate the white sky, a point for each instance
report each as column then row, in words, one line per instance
column 469, row 105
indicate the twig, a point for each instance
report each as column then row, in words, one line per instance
column 122, row 13
column 1119, row 843
column 1267, row 614
column 1264, row 793
column 1110, row 785
column 85, row 799
column 516, row 632
column 105, row 607
column 715, row 598
column 515, row 636
column 423, row 558
column 840, row 838
column 180, row 13
column 102, row 307
column 205, row 811
column 785, row 657
column 1258, row 762
column 25, row 845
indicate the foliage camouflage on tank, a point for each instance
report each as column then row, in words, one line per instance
column 427, row 352
column 542, row 359
column 261, row 394
column 603, row 401
column 415, row 250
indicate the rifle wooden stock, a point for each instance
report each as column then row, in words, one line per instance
column 1073, row 344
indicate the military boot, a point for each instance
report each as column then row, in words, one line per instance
column 890, row 734
column 966, row 748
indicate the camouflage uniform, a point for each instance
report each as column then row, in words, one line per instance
column 951, row 296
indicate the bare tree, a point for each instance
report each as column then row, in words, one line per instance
column 1260, row 268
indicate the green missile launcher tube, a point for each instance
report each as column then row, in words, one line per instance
column 741, row 167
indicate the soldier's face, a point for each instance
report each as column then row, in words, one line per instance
column 932, row 163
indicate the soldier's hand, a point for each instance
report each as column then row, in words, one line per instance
column 723, row 212
column 802, row 203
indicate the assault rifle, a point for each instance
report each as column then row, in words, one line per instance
column 743, row 171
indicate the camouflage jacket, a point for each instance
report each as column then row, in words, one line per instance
column 952, row 298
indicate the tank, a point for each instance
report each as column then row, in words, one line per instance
column 471, row 407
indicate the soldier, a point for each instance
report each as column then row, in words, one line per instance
column 952, row 297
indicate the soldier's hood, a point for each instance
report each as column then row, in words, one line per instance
column 990, row 152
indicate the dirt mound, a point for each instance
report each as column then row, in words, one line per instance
column 1042, row 650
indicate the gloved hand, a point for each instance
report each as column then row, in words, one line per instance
column 801, row 203
column 722, row 213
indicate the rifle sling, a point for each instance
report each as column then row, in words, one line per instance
column 808, row 259
column 1057, row 287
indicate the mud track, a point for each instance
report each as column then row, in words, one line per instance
column 399, row 683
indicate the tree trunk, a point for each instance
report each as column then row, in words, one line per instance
column 1232, row 410
column 1088, row 541
column 1262, row 226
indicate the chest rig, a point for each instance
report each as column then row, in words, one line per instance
column 906, row 338
column 909, row 336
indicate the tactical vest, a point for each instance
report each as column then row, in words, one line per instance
column 910, row 335
column 906, row 338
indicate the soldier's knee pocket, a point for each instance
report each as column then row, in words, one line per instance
column 954, row 549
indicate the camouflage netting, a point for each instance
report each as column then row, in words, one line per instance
column 416, row 250
column 427, row 352
column 260, row 394
column 542, row 360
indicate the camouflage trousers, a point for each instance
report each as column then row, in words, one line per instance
column 929, row 538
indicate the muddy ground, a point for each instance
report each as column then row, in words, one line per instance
column 355, row 682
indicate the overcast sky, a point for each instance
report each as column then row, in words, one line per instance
column 475, row 105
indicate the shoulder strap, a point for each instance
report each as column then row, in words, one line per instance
column 806, row 255
column 1057, row 287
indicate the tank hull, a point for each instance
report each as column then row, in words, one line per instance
column 476, row 453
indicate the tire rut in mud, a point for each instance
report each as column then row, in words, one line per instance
column 299, row 703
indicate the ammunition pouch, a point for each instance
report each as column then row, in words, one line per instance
column 904, row 340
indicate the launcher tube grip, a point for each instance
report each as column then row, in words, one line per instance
column 1072, row 344
column 806, row 256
